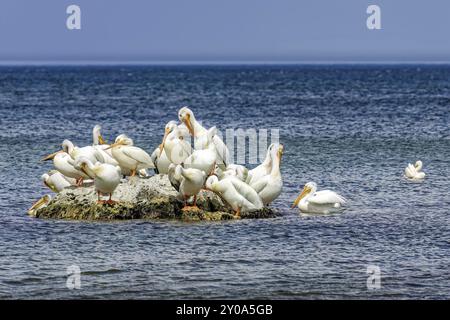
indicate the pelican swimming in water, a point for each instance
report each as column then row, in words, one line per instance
column 106, row 176
column 130, row 157
column 269, row 186
column 312, row 201
column 263, row 169
column 239, row 195
column 56, row 181
column 201, row 140
column 41, row 203
column 176, row 143
column 204, row 159
column 191, row 182
column 64, row 163
column 414, row 172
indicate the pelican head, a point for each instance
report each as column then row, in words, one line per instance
column 309, row 188
column 170, row 126
column 418, row 165
column 85, row 165
column 41, row 203
column 67, row 146
column 210, row 181
column 186, row 116
column 121, row 140
column 98, row 138
column 45, row 178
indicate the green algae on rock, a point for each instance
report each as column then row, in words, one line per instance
column 152, row 198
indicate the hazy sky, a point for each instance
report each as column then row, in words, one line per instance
column 224, row 30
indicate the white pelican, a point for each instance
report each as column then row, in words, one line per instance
column 269, row 186
column 41, row 203
column 56, row 181
column 130, row 157
column 89, row 152
column 204, row 159
column 239, row 195
column 64, row 163
column 201, row 140
column 312, row 201
column 263, row 169
column 174, row 176
column 192, row 181
column 176, row 143
column 159, row 155
column 106, row 176
column 414, row 172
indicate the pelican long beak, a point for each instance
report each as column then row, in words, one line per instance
column 280, row 152
column 101, row 140
column 51, row 156
column 187, row 122
column 114, row 145
column 49, row 186
column 161, row 146
column 83, row 169
column 303, row 194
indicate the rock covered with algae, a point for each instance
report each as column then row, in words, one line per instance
column 151, row 198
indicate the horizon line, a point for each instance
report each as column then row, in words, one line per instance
column 214, row 62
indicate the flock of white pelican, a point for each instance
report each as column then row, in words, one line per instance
column 190, row 168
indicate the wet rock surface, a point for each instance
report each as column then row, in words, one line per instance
column 151, row 198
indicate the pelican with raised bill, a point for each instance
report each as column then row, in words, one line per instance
column 201, row 141
column 56, row 181
column 413, row 172
column 41, row 203
column 130, row 157
column 322, row 202
column 106, row 177
column 239, row 195
column 263, row 169
column 269, row 186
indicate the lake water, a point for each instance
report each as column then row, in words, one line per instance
column 351, row 129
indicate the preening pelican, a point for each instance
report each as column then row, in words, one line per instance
column 41, row 203
column 176, row 143
column 312, row 201
column 263, row 169
column 56, row 181
column 414, row 172
column 239, row 195
column 192, row 181
column 203, row 159
column 159, row 155
column 64, row 163
column 174, row 176
column 269, row 186
column 106, row 176
column 130, row 157
column 89, row 152
column 201, row 140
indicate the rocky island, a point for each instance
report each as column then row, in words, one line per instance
column 150, row 198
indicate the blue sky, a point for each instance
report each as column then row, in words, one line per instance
column 224, row 30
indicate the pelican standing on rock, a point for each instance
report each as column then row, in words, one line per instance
column 176, row 143
column 414, row 172
column 204, row 159
column 106, row 176
column 56, row 181
column 239, row 195
column 159, row 155
column 269, row 186
column 192, row 181
column 130, row 157
column 323, row 202
column 200, row 135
